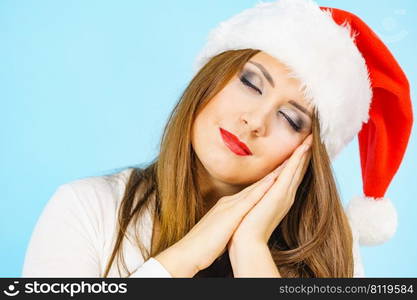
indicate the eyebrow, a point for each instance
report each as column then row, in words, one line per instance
column 264, row 71
column 300, row 107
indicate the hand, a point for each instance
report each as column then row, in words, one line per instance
column 258, row 225
column 208, row 239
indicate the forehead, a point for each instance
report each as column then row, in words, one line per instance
column 282, row 76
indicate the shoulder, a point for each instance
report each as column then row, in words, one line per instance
column 98, row 190
column 108, row 187
column 93, row 199
column 114, row 182
column 74, row 232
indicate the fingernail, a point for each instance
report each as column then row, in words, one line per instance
column 306, row 147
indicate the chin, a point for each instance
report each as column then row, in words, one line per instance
column 228, row 176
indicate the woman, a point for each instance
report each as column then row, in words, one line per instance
column 233, row 191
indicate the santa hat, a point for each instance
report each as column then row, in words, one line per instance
column 351, row 78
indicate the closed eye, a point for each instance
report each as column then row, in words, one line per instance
column 246, row 82
column 294, row 125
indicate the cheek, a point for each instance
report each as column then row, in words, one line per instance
column 205, row 134
column 198, row 133
column 205, row 130
column 231, row 101
column 225, row 105
column 278, row 148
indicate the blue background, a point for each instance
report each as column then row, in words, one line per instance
column 86, row 87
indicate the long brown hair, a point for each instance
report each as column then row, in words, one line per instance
column 313, row 240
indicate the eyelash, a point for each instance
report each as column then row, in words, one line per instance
column 246, row 82
column 292, row 123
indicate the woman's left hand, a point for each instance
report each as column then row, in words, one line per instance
column 259, row 223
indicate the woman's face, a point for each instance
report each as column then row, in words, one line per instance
column 265, row 109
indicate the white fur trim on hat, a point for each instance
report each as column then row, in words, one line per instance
column 374, row 220
column 320, row 53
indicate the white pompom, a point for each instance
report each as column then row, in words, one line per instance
column 375, row 221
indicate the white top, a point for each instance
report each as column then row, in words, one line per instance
column 76, row 232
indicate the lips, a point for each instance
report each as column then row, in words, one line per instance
column 234, row 143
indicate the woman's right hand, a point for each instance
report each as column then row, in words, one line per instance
column 208, row 239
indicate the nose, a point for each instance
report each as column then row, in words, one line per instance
column 256, row 120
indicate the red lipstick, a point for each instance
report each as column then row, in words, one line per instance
column 234, row 143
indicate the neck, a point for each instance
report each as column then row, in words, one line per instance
column 212, row 189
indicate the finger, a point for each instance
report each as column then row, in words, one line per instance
column 285, row 178
column 265, row 184
column 308, row 139
column 302, row 165
column 300, row 172
column 303, row 162
column 273, row 174
column 254, row 195
column 254, row 185
column 260, row 186
column 288, row 184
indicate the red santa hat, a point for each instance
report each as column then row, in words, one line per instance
column 352, row 79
